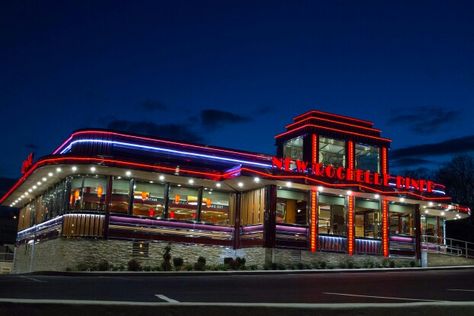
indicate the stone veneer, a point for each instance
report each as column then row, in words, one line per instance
column 62, row 253
column 66, row 253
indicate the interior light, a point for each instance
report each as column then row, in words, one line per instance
column 191, row 181
column 74, row 168
column 50, row 174
column 30, row 190
column 119, row 177
column 402, row 199
column 430, row 203
column 151, row 181
column 240, row 184
column 442, row 213
column 161, row 177
column 349, row 192
column 218, row 185
column 377, row 196
column 426, row 211
column 256, row 179
column 26, row 193
column 179, row 185
column 44, row 179
column 288, row 184
column 38, row 183
column 93, row 169
column 128, row 173
column 58, row 169
column 34, row 187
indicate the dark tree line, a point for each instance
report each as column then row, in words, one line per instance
column 458, row 177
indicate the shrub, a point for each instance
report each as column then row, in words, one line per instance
column 166, row 264
column 391, row 264
column 178, row 263
column 188, row 267
column 200, row 265
column 412, row 263
column 253, row 267
column 156, row 268
column 146, row 268
column 323, row 264
column 134, row 265
column 83, row 267
column 103, row 265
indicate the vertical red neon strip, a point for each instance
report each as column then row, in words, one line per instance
column 385, row 245
column 384, row 160
column 314, row 148
column 350, row 225
column 314, row 220
column 350, row 158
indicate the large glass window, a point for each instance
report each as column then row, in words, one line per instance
column 331, row 215
column 432, row 226
column 332, row 151
column 367, row 157
column 215, row 207
column 148, row 199
column 368, row 219
column 88, row 193
column 120, row 195
column 183, row 203
column 402, row 220
column 293, row 148
column 292, row 207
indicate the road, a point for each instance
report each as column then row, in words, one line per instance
column 372, row 287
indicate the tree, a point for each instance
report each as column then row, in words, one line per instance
column 458, row 177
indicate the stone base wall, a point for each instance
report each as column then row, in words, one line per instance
column 436, row 260
column 65, row 253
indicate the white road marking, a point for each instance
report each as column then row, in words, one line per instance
column 461, row 290
column 166, row 298
column 384, row 297
column 32, row 279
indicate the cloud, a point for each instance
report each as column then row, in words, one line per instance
column 212, row 119
column 409, row 162
column 425, row 119
column 448, row 147
column 153, row 105
column 174, row 131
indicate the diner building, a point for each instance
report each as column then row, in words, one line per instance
column 327, row 193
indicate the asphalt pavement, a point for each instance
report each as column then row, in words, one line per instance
column 356, row 287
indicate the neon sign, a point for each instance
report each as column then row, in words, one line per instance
column 348, row 174
column 27, row 163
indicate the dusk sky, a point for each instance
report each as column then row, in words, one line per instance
column 233, row 74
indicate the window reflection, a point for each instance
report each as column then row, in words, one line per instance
column 291, row 207
column 367, row 157
column 332, row 151
column 183, row 203
column 368, row 219
column 293, row 148
column 120, row 195
column 332, row 215
column 148, row 199
column 215, row 207
column 401, row 219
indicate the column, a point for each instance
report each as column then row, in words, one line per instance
column 131, row 192
column 269, row 221
column 108, row 200
column 236, row 237
column 166, row 197
column 199, row 204
column 313, row 234
column 350, row 224
column 385, row 229
column 417, row 232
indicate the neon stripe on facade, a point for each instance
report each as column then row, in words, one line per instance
column 107, row 133
column 385, row 226
column 332, row 115
column 166, row 150
column 350, row 225
column 314, row 220
column 334, row 130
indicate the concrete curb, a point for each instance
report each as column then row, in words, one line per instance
column 237, row 272
column 117, row 308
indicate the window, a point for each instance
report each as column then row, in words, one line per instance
column 331, row 215
column 120, row 195
column 215, row 207
column 148, row 199
column 292, row 207
column 332, row 151
column 88, row 193
column 402, row 221
column 368, row 219
column 182, row 203
column 367, row 157
column 432, row 226
column 293, row 148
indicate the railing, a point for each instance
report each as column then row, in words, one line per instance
column 448, row 246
